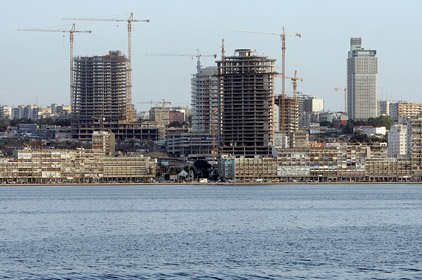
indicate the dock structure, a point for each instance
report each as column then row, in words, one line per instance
column 246, row 111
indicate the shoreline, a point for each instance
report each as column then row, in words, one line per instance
column 240, row 184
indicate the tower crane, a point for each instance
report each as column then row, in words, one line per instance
column 198, row 55
column 214, row 115
column 71, row 32
column 282, row 36
column 161, row 102
column 344, row 90
column 129, row 21
column 294, row 80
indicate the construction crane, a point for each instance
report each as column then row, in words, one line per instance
column 198, row 55
column 282, row 36
column 294, row 80
column 71, row 32
column 214, row 114
column 344, row 90
column 161, row 102
column 129, row 21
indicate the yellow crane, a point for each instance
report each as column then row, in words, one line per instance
column 344, row 90
column 198, row 55
column 71, row 32
column 129, row 21
column 282, row 36
column 294, row 80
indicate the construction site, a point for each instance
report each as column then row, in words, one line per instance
column 246, row 112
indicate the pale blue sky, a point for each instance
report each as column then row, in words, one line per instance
column 34, row 66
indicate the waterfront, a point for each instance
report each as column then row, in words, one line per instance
column 227, row 232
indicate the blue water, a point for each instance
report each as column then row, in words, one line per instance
column 211, row 232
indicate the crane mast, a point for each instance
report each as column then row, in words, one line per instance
column 71, row 32
column 344, row 90
column 282, row 36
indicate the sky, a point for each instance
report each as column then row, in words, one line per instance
column 34, row 68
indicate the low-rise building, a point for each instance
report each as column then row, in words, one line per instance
column 370, row 130
column 382, row 170
column 74, row 166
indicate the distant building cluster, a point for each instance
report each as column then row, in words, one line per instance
column 236, row 123
column 33, row 112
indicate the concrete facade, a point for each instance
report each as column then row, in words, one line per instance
column 204, row 99
column 362, row 70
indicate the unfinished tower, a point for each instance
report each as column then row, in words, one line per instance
column 99, row 93
column 246, row 111
column 204, row 99
column 290, row 113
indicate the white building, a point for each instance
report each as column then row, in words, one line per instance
column 398, row 141
column 370, row 130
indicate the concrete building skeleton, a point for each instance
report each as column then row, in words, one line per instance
column 204, row 99
column 100, row 99
column 246, row 111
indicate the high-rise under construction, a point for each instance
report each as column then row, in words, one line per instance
column 204, row 99
column 99, row 93
column 246, row 111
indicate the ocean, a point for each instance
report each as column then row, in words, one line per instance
column 211, row 232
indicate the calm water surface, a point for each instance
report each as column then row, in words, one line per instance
column 211, row 232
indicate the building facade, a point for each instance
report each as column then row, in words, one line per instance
column 398, row 141
column 362, row 70
column 204, row 99
column 100, row 99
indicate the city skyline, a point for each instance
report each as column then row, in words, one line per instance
column 23, row 78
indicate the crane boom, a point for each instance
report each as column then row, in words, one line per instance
column 54, row 30
column 107, row 19
column 71, row 32
column 255, row 32
column 198, row 55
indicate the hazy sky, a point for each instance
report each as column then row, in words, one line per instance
column 35, row 66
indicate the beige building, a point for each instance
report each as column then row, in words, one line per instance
column 409, row 110
column 74, row 166
column 388, row 169
column 416, row 146
column 337, row 162
column 104, row 142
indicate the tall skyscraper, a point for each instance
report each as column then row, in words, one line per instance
column 204, row 99
column 246, row 111
column 362, row 70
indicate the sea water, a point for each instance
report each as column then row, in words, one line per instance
column 211, row 232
